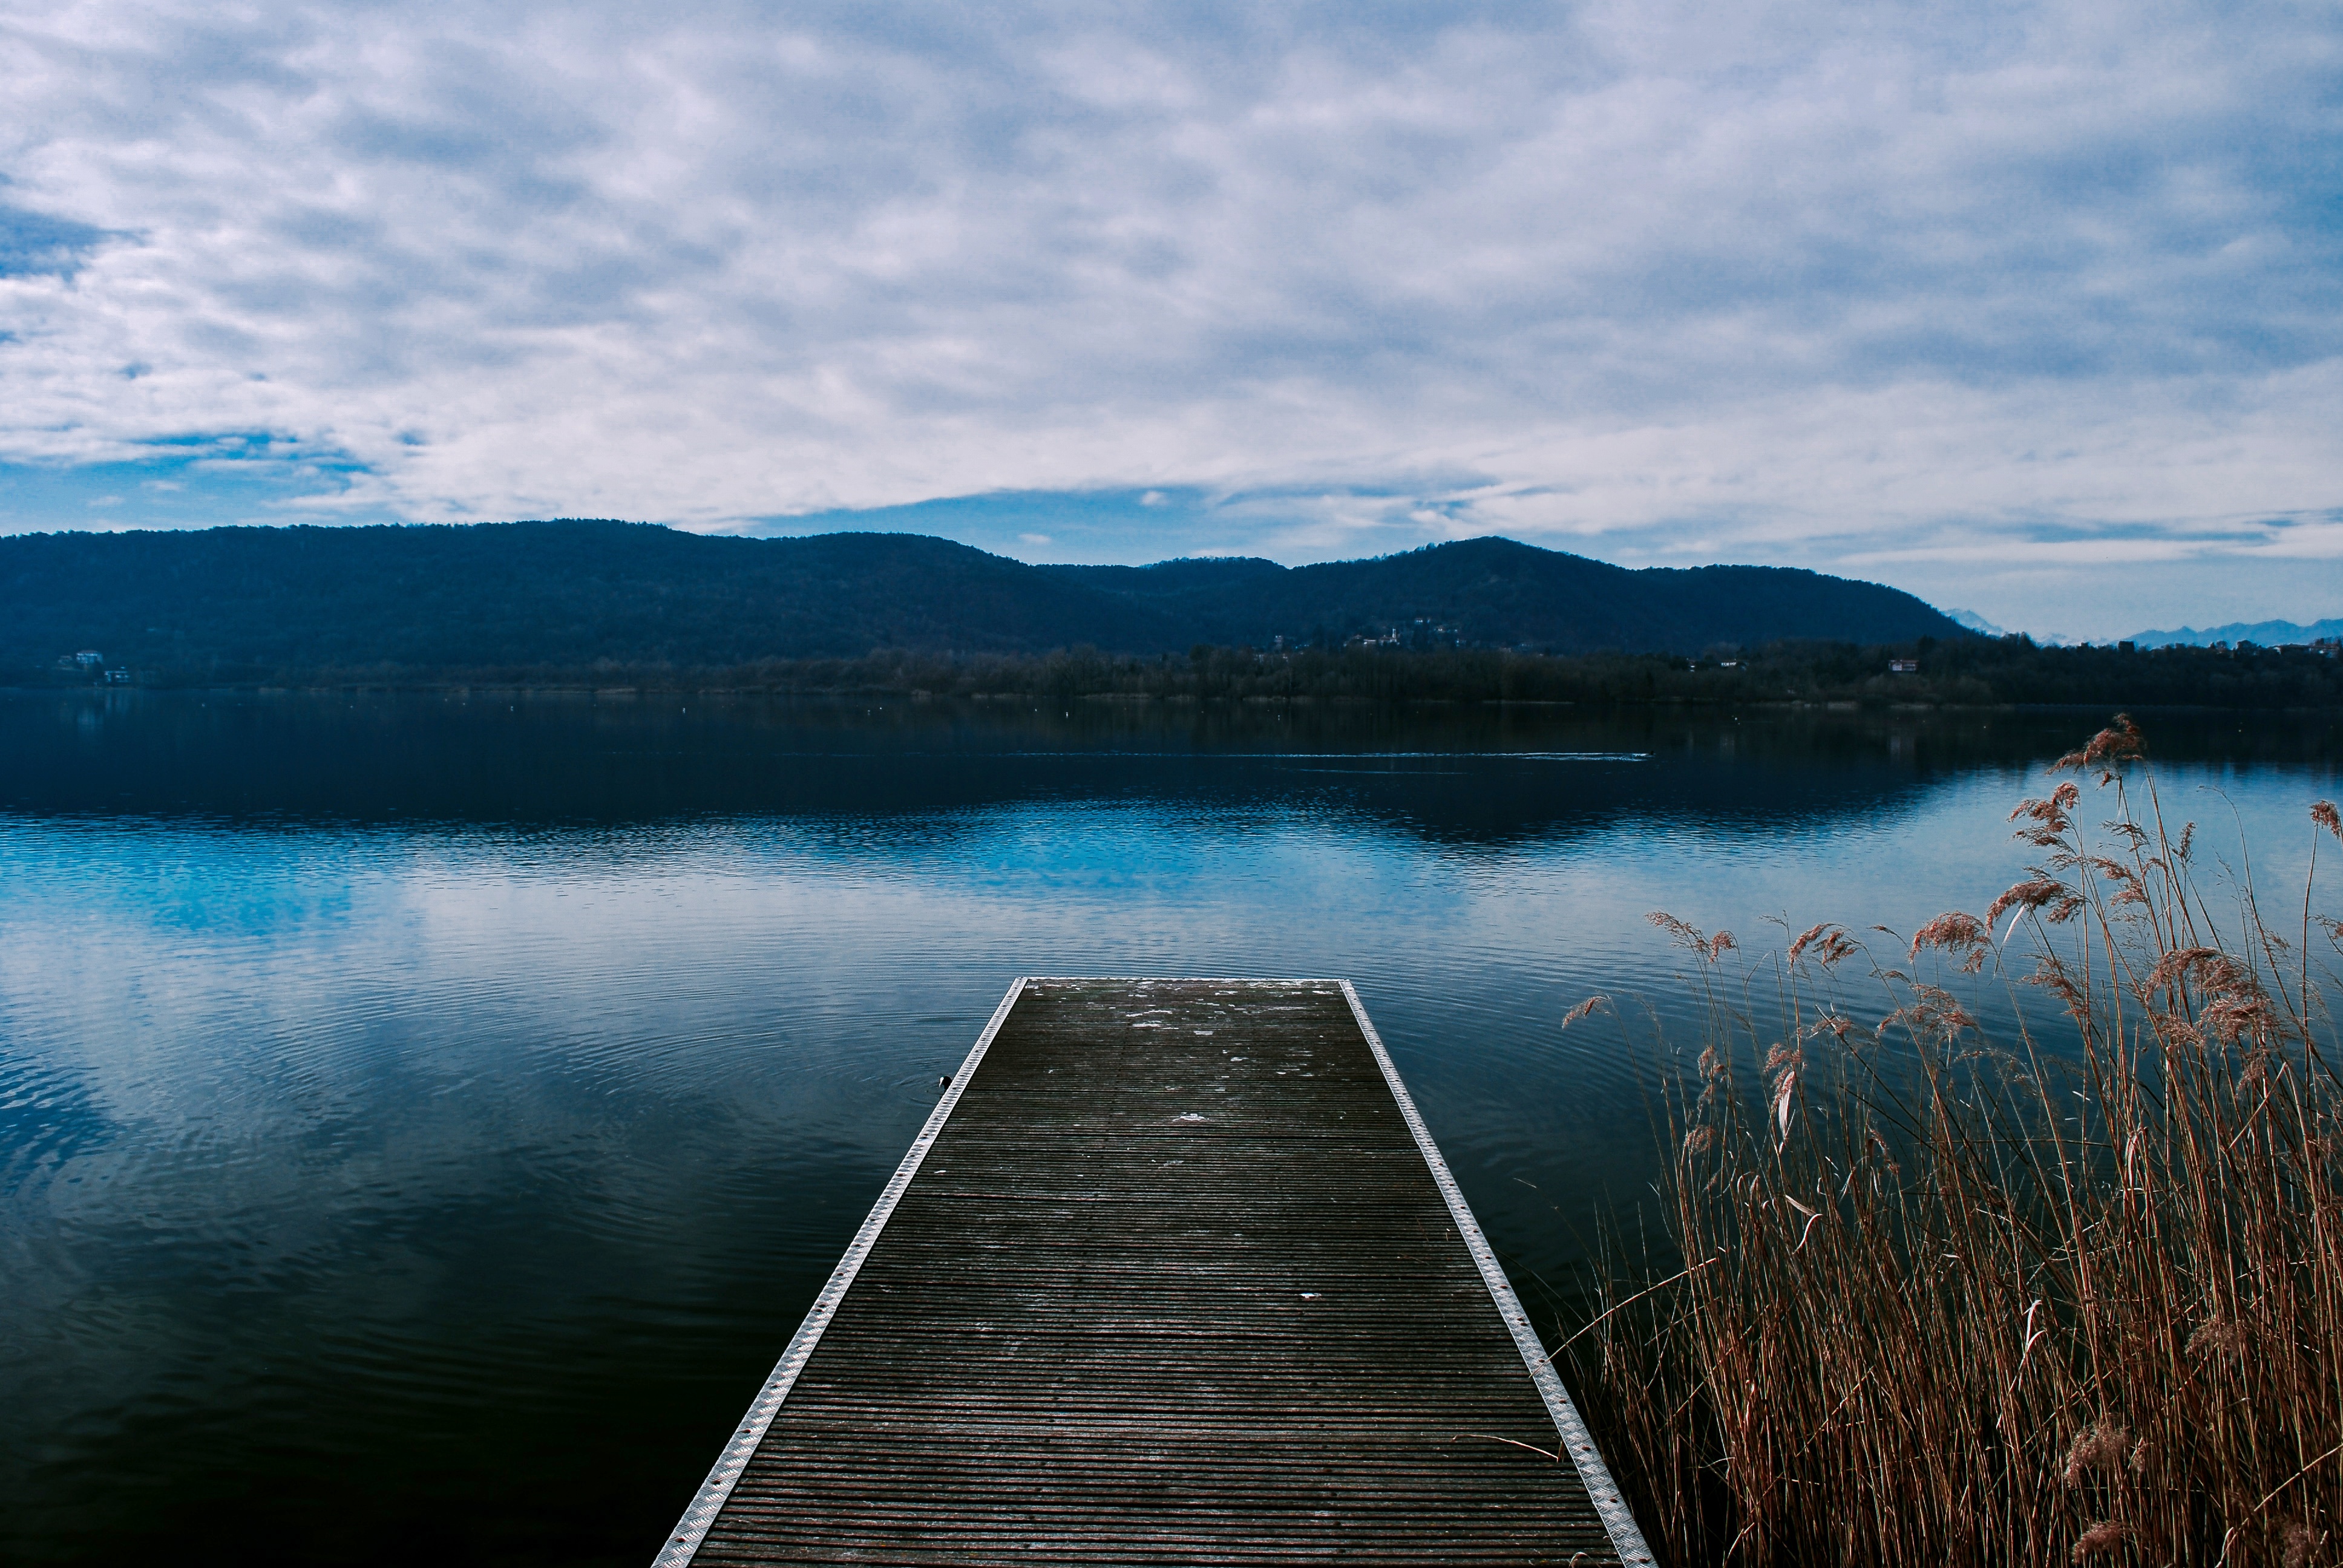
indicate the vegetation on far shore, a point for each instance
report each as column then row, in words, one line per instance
column 1962, row 672
column 1931, row 1297
column 570, row 592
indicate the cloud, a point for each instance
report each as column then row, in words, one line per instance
column 1801, row 281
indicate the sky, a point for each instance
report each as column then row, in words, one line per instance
column 2031, row 309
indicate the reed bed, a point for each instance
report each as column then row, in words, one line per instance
column 1930, row 1298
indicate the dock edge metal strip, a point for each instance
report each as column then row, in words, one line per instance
column 683, row 1541
column 1626, row 1536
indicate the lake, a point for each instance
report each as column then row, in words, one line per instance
column 424, row 1119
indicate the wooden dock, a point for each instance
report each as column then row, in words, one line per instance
column 1173, row 1274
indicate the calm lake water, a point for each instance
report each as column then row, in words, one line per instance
column 423, row 1121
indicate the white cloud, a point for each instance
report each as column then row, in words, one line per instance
column 1794, row 281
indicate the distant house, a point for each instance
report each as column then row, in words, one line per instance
column 89, row 658
column 1903, row 667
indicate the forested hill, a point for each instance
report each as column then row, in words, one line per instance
column 1499, row 593
column 568, row 594
column 549, row 594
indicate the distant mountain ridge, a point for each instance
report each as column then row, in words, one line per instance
column 1500, row 592
column 2268, row 633
column 571, row 593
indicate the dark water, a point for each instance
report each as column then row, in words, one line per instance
column 423, row 1121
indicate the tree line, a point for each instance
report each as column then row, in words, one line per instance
column 1953, row 672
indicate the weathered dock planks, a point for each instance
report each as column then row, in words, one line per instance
column 1173, row 1275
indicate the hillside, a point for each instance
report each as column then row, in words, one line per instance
column 522, row 594
column 1495, row 592
column 569, row 594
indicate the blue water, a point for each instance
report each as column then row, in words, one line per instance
column 424, row 1119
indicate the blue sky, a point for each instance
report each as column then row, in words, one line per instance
column 2036, row 309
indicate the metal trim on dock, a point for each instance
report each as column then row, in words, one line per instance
column 1626, row 1535
column 692, row 1528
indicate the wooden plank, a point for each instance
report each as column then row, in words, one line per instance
column 1173, row 1274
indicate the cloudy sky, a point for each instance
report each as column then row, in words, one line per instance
column 2036, row 309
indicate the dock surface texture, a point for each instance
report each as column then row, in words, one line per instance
column 1173, row 1275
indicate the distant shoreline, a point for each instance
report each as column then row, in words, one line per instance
column 1784, row 706
column 2007, row 674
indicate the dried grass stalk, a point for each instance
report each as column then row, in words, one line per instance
column 2074, row 1297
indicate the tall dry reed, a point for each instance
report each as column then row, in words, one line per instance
column 2073, row 1296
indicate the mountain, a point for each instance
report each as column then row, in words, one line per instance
column 1496, row 591
column 547, row 593
column 2268, row 633
column 1977, row 623
column 570, row 593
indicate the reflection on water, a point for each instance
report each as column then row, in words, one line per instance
column 423, row 1121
